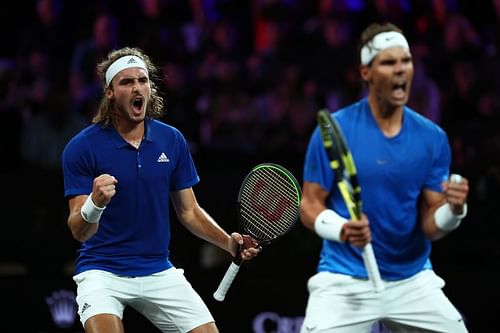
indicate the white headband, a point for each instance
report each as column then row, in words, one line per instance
column 381, row 42
column 123, row 63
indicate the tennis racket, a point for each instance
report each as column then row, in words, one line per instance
column 342, row 163
column 268, row 207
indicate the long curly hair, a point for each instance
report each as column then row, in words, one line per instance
column 155, row 105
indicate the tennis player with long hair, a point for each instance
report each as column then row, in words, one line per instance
column 120, row 174
column 403, row 165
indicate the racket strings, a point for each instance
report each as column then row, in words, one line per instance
column 341, row 161
column 269, row 203
column 264, row 225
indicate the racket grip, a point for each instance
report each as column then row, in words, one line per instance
column 226, row 282
column 372, row 268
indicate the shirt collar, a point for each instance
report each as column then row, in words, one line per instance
column 119, row 142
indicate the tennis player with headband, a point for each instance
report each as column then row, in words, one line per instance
column 403, row 164
column 120, row 174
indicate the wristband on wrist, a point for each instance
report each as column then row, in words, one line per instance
column 446, row 220
column 328, row 225
column 90, row 212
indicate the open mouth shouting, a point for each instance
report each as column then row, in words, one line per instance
column 399, row 90
column 138, row 105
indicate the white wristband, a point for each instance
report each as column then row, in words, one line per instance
column 90, row 212
column 447, row 220
column 328, row 225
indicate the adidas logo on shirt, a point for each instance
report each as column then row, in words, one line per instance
column 163, row 158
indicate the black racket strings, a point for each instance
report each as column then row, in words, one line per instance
column 334, row 141
column 348, row 172
column 276, row 193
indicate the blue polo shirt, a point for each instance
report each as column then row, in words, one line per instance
column 134, row 230
column 392, row 173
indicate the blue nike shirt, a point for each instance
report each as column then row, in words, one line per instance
column 392, row 173
column 134, row 230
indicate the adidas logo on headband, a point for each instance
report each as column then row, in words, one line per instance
column 123, row 63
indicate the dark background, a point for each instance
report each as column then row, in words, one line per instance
column 243, row 81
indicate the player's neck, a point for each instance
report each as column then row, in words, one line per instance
column 389, row 118
column 130, row 131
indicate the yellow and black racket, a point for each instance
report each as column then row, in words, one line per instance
column 268, row 207
column 342, row 164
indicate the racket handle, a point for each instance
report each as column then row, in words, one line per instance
column 226, row 282
column 372, row 267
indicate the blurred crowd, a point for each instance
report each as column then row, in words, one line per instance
column 240, row 78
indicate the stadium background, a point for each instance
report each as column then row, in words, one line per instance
column 243, row 82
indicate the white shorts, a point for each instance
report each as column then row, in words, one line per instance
column 165, row 298
column 342, row 304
